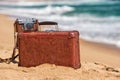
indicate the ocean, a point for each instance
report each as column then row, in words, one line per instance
column 96, row 20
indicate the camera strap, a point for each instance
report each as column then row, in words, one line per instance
column 13, row 57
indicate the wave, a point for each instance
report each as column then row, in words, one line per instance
column 102, row 9
column 58, row 2
column 43, row 11
column 97, row 9
column 88, row 18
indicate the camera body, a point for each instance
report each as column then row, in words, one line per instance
column 24, row 25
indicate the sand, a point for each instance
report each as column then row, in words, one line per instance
column 99, row 61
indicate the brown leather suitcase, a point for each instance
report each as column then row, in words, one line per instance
column 57, row 47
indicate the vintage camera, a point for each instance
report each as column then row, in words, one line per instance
column 22, row 25
column 28, row 25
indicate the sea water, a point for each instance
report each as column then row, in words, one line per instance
column 96, row 20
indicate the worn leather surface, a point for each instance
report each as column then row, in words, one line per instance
column 60, row 48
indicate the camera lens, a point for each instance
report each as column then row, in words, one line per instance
column 29, row 26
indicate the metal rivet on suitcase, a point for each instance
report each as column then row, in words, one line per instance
column 72, row 35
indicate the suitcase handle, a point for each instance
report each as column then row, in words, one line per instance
column 49, row 23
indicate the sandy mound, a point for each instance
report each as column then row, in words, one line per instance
column 88, row 71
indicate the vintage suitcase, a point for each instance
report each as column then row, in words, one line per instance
column 56, row 47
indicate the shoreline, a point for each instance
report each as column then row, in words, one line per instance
column 104, row 45
column 100, row 53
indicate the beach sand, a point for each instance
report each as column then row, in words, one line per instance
column 99, row 61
